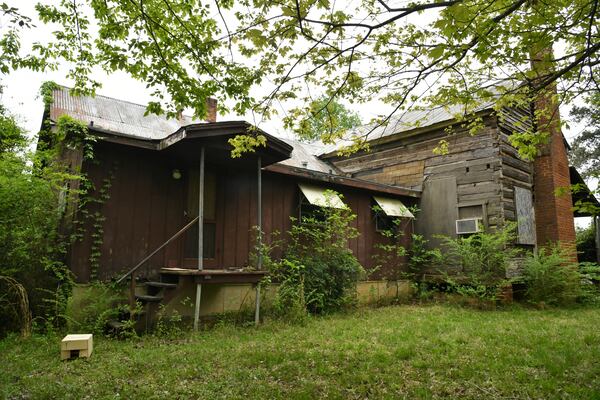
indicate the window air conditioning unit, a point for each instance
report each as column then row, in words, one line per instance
column 468, row 225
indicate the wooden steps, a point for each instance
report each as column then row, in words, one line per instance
column 162, row 285
column 146, row 298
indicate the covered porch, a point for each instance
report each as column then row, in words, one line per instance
column 213, row 183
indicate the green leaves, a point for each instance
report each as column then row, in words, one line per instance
column 246, row 143
column 324, row 119
column 260, row 56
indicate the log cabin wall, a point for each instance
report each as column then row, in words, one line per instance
column 144, row 205
column 477, row 175
column 472, row 165
column 517, row 175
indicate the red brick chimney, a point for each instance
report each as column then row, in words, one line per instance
column 211, row 110
column 553, row 213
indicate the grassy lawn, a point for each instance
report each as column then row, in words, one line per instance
column 404, row 351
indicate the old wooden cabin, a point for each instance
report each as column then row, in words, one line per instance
column 147, row 171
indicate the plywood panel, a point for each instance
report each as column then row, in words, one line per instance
column 525, row 215
column 438, row 212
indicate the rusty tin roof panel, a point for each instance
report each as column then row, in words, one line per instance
column 409, row 120
column 116, row 116
column 304, row 155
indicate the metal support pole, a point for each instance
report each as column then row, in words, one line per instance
column 257, row 305
column 259, row 216
column 200, row 238
column 259, row 240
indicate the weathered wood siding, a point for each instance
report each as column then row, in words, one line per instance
column 485, row 167
column 145, row 205
column 516, row 172
column 473, row 161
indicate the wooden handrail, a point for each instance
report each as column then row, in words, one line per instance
column 175, row 236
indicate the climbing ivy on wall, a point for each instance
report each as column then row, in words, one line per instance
column 59, row 137
column 91, row 202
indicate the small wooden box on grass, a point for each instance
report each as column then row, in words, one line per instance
column 73, row 346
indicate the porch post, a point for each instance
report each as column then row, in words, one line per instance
column 200, row 238
column 259, row 216
column 259, row 241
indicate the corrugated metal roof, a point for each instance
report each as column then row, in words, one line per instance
column 304, row 155
column 116, row 116
column 409, row 120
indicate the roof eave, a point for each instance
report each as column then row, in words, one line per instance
column 411, row 132
column 343, row 181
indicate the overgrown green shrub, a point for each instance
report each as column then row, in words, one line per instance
column 586, row 244
column 483, row 258
column 290, row 302
column 92, row 306
column 390, row 252
column 31, row 250
column 33, row 198
column 551, row 277
column 420, row 256
column 590, row 283
column 406, row 262
column 318, row 265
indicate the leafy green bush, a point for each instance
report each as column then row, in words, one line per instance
column 551, row 277
column 590, row 283
column 31, row 248
column 421, row 256
column 33, row 198
column 390, row 254
column 91, row 307
column 586, row 244
column 483, row 258
column 290, row 302
column 318, row 264
column 407, row 263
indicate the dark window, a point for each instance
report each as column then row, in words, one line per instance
column 383, row 222
column 310, row 211
column 208, row 241
column 210, row 201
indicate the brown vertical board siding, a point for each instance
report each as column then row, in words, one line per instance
column 137, row 240
column 362, row 224
column 123, row 247
column 243, row 220
column 146, row 207
column 267, row 209
column 158, row 195
column 174, row 220
column 230, row 220
column 252, row 213
column 109, row 210
column 290, row 202
column 220, row 218
column 353, row 201
column 277, row 208
column 80, row 249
